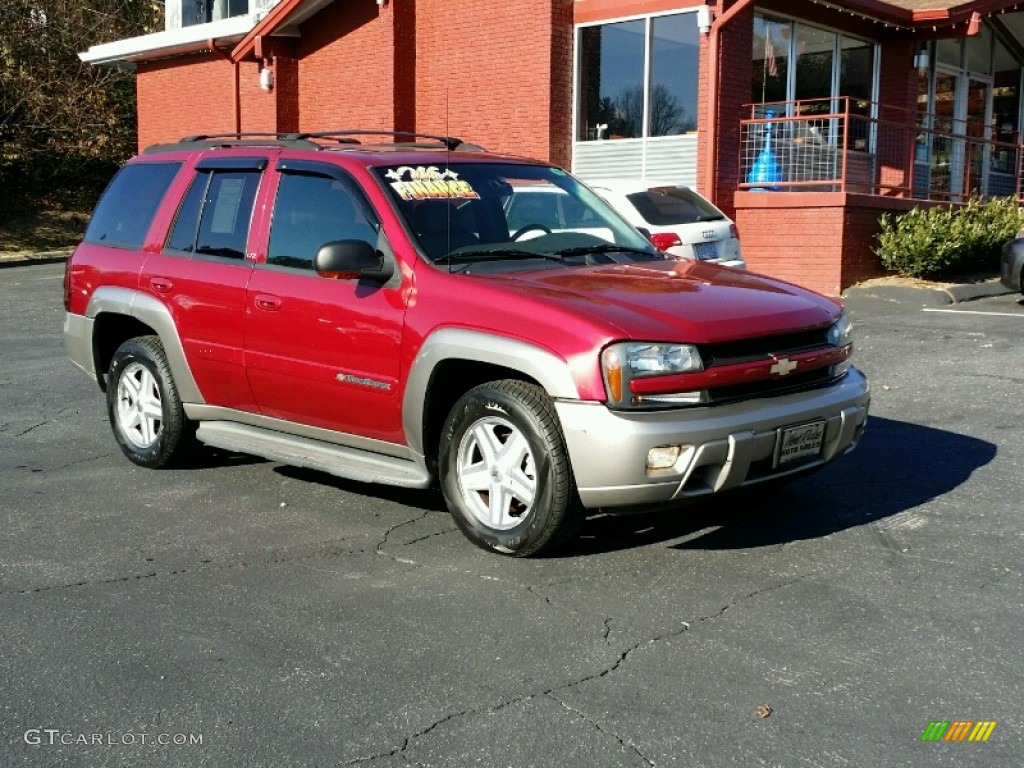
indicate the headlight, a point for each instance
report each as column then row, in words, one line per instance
column 624, row 362
column 841, row 335
column 841, row 332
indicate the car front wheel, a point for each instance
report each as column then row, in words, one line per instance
column 145, row 411
column 505, row 470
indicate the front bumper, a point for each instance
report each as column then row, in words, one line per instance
column 731, row 445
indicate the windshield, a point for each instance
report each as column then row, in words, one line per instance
column 481, row 215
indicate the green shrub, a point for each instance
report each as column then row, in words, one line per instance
column 949, row 240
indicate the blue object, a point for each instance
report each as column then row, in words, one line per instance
column 765, row 171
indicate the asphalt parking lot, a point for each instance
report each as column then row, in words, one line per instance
column 242, row 613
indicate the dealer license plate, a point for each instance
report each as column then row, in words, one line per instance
column 799, row 442
column 705, row 251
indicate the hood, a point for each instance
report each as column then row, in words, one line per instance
column 688, row 301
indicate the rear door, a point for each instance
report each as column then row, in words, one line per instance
column 202, row 272
column 324, row 352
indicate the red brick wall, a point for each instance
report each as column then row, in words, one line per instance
column 184, row 95
column 345, row 67
column 798, row 243
column 495, row 89
column 259, row 107
column 820, row 240
column 736, row 41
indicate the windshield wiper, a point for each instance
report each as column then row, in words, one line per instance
column 497, row 253
column 711, row 217
column 585, row 250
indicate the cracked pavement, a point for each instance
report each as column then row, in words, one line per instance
column 296, row 619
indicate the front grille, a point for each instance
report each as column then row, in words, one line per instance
column 762, row 348
column 783, row 385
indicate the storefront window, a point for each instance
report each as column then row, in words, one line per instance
column 978, row 52
column 770, row 59
column 675, row 49
column 828, row 65
column 815, row 52
column 613, row 102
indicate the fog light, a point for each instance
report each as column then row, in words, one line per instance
column 664, row 456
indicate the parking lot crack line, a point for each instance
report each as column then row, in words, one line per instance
column 34, row 426
column 685, row 627
column 624, row 743
column 550, row 692
column 204, row 568
column 408, row 740
column 392, row 529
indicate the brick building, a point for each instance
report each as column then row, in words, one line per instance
column 804, row 119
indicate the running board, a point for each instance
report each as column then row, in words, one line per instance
column 350, row 463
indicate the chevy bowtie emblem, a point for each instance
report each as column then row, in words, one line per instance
column 783, row 367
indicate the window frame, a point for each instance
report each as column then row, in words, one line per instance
column 210, row 168
column 577, row 75
column 296, row 167
column 177, row 165
column 792, row 55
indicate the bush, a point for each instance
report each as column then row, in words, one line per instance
column 949, row 240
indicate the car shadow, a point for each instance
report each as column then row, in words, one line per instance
column 897, row 467
column 429, row 500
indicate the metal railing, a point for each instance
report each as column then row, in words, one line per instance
column 847, row 145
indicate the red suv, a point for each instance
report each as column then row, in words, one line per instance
column 366, row 310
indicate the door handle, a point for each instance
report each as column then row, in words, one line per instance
column 160, row 284
column 267, row 302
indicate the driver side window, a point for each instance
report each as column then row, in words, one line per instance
column 312, row 210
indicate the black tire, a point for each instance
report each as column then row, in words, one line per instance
column 140, row 364
column 519, row 419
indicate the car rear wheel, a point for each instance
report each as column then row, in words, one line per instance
column 505, row 470
column 145, row 411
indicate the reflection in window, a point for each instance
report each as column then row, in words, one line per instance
column 311, row 211
column 815, row 48
column 673, row 99
column 828, row 65
column 770, row 60
column 613, row 103
column 214, row 217
column 612, row 79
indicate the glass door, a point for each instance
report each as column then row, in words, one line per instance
column 946, row 155
column 976, row 111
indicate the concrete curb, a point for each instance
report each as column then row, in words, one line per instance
column 929, row 295
column 42, row 257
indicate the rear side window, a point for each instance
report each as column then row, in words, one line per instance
column 126, row 209
column 214, row 217
column 665, row 206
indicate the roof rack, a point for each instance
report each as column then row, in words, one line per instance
column 248, row 139
column 303, row 140
column 450, row 143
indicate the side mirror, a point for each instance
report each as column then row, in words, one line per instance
column 645, row 232
column 352, row 260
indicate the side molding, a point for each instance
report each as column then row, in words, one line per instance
column 152, row 312
column 550, row 371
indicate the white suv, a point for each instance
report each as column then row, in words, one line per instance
column 682, row 223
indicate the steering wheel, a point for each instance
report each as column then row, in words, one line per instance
column 529, row 228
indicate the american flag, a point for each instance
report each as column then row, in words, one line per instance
column 771, row 67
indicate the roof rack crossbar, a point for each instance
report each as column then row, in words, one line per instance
column 306, row 140
column 450, row 142
column 236, row 136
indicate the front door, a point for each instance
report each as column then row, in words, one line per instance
column 323, row 352
column 961, row 116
